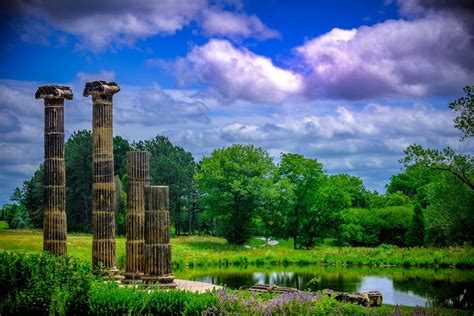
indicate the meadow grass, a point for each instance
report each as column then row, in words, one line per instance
column 208, row 251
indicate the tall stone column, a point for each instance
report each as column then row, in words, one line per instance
column 157, row 237
column 103, row 190
column 138, row 177
column 55, row 223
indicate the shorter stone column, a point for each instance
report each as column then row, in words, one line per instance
column 55, row 224
column 157, row 237
column 138, row 176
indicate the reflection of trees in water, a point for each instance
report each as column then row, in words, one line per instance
column 443, row 293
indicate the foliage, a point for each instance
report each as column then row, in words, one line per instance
column 459, row 165
column 465, row 108
column 33, row 197
column 449, row 215
column 305, row 175
column 416, row 235
column 43, row 284
column 15, row 216
column 110, row 299
column 388, row 225
column 447, row 202
column 230, row 182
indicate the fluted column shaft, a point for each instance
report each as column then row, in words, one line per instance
column 157, row 237
column 103, row 188
column 137, row 179
column 55, row 223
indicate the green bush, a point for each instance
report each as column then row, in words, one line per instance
column 388, row 225
column 43, row 284
column 110, row 299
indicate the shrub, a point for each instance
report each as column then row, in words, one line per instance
column 43, row 284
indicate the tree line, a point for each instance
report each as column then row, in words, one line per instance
column 239, row 191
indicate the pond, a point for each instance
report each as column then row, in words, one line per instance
column 406, row 286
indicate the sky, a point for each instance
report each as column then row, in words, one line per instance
column 350, row 83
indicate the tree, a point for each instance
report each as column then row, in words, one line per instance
column 78, row 160
column 416, row 235
column 172, row 166
column 230, row 182
column 34, row 197
column 121, row 148
column 306, row 175
column 459, row 165
column 276, row 201
column 465, row 108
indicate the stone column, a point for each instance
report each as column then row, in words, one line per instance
column 157, row 237
column 55, row 223
column 103, row 189
column 138, row 177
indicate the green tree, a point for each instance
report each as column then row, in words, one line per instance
column 306, row 175
column 78, row 160
column 275, row 202
column 464, row 106
column 416, row 235
column 34, row 197
column 15, row 214
column 230, row 182
column 121, row 148
column 459, row 165
column 172, row 166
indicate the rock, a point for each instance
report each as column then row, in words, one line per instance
column 368, row 299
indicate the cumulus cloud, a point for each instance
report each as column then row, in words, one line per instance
column 366, row 142
column 101, row 25
column 237, row 73
column 426, row 56
column 235, row 25
column 153, row 105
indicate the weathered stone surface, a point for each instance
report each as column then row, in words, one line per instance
column 157, row 247
column 100, row 87
column 103, row 188
column 137, row 179
column 55, row 223
column 54, row 92
column 368, row 299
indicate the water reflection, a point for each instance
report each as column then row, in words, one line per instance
column 443, row 287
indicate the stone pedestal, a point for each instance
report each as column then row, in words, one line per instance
column 55, row 223
column 103, row 188
column 157, row 237
column 137, row 179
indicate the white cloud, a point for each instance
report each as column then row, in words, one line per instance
column 240, row 74
column 425, row 56
column 235, row 25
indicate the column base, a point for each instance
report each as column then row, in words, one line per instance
column 165, row 282
column 132, row 278
column 111, row 274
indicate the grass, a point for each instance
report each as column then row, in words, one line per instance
column 208, row 251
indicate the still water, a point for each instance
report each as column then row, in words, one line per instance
column 412, row 287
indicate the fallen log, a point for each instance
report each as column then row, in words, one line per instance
column 368, row 299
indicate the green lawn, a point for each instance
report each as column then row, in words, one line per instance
column 206, row 250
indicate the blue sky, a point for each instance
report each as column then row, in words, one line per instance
column 350, row 83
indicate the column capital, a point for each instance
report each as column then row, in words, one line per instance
column 100, row 88
column 53, row 92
